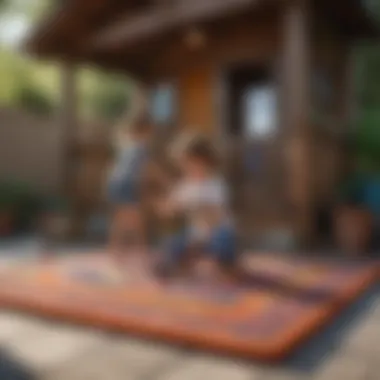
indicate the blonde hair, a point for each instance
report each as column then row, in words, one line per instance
column 182, row 142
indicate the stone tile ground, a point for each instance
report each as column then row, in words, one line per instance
column 50, row 351
column 36, row 349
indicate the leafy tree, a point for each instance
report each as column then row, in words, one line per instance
column 19, row 87
column 4, row 4
column 31, row 98
column 108, row 97
column 367, row 134
column 35, row 85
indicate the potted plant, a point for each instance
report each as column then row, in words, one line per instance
column 8, row 202
column 18, row 206
column 359, row 198
column 353, row 228
column 7, row 221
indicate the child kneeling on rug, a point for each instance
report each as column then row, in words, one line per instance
column 201, row 195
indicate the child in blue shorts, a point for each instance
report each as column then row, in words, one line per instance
column 124, row 185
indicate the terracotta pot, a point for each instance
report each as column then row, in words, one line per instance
column 353, row 229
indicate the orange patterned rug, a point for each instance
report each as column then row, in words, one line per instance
column 282, row 303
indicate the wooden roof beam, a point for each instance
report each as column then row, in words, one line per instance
column 75, row 21
column 161, row 20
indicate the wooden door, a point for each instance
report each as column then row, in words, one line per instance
column 256, row 170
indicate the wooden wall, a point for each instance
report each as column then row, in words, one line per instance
column 311, row 155
column 41, row 162
column 197, row 72
column 30, row 150
column 196, row 98
column 254, row 39
column 329, row 122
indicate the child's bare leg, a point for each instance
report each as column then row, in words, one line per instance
column 137, row 227
column 134, row 230
column 113, row 236
column 117, row 234
column 127, row 240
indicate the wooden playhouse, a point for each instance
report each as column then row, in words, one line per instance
column 269, row 80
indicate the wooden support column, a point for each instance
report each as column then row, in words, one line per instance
column 68, row 126
column 347, row 108
column 296, row 103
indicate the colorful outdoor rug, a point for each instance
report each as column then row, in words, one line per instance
column 283, row 302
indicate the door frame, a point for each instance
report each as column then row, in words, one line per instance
column 223, row 108
column 224, row 111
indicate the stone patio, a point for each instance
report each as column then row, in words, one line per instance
column 37, row 349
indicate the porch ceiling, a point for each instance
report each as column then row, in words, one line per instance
column 118, row 33
column 72, row 22
column 164, row 19
column 131, row 46
column 351, row 16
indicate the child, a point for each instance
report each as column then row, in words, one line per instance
column 200, row 194
column 124, row 185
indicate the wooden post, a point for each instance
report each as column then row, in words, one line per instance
column 296, row 103
column 68, row 125
column 68, row 134
column 349, row 106
column 347, row 109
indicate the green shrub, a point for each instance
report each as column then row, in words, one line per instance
column 367, row 141
column 20, row 200
column 34, row 100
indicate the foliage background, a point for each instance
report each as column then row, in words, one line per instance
column 29, row 84
column 26, row 83
column 366, row 137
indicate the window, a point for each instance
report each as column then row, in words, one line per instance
column 260, row 112
column 163, row 104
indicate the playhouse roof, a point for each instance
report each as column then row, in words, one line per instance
column 88, row 30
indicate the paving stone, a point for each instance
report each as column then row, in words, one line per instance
column 363, row 341
column 142, row 353
column 119, row 359
column 42, row 346
column 91, row 368
column 375, row 310
column 374, row 371
column 210, row 368
column 283, row 374
column 343, row 368
column 14, row 325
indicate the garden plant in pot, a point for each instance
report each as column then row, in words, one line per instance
column 7, row 214
column 353, row 228
column 18, row 206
